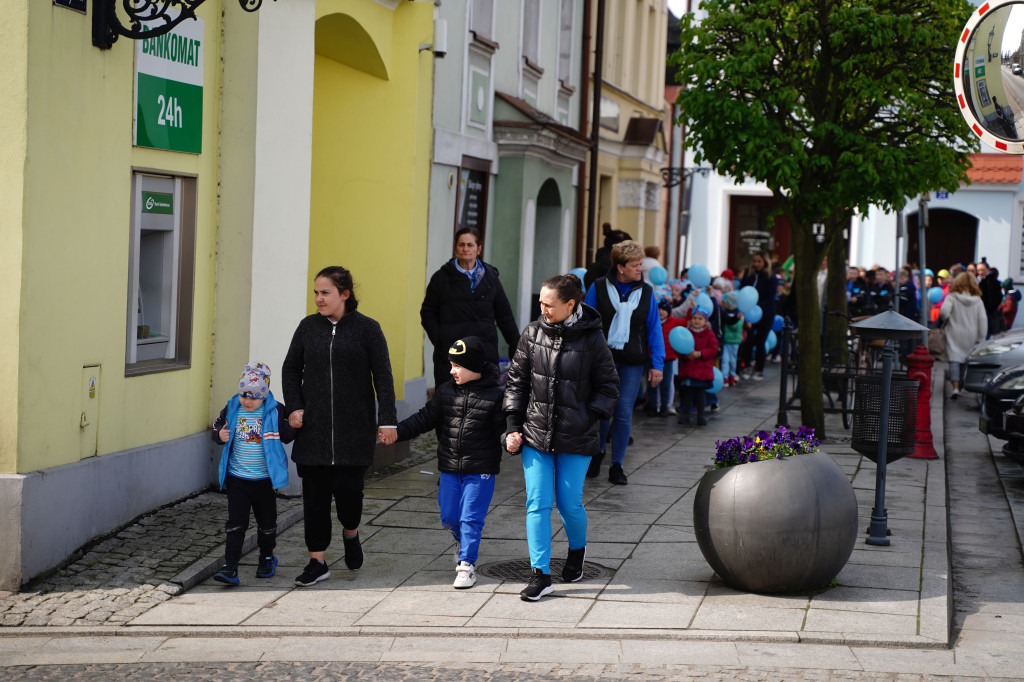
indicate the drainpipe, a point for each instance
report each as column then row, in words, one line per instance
column 581, row 190
column 672, row 237
column 595, row 131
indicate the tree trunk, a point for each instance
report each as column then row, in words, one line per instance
column 805, row 279
column 836, row 326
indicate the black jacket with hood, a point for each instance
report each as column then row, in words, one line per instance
column 468, row 421
column 562, row 380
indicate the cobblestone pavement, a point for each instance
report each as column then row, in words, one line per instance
column 483, row 672
column 124, row 575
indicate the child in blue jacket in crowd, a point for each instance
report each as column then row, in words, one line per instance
column 467, row 416
column 253, row 464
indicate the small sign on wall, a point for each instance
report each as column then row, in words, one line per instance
column 77, row 5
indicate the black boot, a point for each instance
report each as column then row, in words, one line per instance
column 595, row 465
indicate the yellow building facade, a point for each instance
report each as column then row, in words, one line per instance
column 142, row 270
column 631, row 150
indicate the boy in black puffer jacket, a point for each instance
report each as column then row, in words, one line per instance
column 468, row 419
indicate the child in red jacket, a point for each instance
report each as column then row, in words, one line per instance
column 697, row 370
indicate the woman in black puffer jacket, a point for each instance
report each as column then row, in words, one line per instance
column 561, row 382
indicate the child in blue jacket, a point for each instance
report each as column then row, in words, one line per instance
column 253, row 464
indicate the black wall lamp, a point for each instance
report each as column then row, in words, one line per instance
column 674, row 176
column 146, row 18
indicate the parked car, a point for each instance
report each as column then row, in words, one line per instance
column 1013, row 426
column 998, row 396
column 990, row 357
column 1017, row 71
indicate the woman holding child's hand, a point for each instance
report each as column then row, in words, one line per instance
column 561, row 382
column 337, row 384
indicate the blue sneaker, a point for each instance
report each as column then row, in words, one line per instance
column 267, row 567
column 228, row 575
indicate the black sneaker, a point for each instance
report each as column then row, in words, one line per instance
column 650, row 410
column 595, row 465
column 314, row 572
column 663, row 412
column 616, row 475
column 539, row 585
column 573, row 568
column 353, row 552
column 228, row 575
column 701, row 421
column 713, row 408
column 267, row 567
column 683, row 419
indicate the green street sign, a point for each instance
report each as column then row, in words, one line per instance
column 169, row 90
column 979, row 71
column 158, row 202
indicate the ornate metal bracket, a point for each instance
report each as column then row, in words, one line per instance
column 674, row 176
column 146, row 18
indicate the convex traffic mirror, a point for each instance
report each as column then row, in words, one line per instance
column 988, row 74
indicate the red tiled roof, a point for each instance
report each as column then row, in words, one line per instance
column 996, row 168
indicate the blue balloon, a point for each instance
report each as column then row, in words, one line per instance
column 699, row 275
column 747, row 298
column 753, row 315
column 704, row 303
column 579, row 272
column 717, row 382
column 935, row 294
column 770, row 342
column 658, row 275
column 681, row 340
column 778, row 324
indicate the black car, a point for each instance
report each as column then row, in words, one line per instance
column 1013, row 426
column 998, row 396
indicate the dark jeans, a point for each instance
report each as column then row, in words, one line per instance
column 319, row 485
column 244, row 495
column 754, row 345
column 692, row 396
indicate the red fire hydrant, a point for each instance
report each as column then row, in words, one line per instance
column 919, row 367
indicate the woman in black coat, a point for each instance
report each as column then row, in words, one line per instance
column 561, row 382
column 465, row 298
column 761, row 278
column 337, row 385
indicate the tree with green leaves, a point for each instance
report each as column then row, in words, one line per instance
column 836, row 106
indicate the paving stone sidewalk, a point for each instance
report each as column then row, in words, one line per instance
column 159, row 555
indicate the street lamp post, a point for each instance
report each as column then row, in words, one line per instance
column 889, row 326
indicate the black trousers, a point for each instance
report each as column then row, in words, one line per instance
column 754, row 345
column 244, row 495
column 319, row 485
column 692, row 396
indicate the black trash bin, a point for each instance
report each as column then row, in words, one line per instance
column 867, row 410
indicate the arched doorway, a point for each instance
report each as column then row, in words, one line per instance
column 951, row 237
column 547, row 240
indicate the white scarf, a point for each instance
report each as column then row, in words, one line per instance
column 618, row 332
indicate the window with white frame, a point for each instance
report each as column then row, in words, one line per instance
column 481, row 19
column 531, row 31
column 565, row 43
column 161, row 273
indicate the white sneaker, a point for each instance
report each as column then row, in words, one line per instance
column 465, row 576
column 672, row 410
column 955, row 394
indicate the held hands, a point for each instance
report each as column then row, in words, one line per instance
column 654, row 377
column 387, row 436
column 694, row 355
column 295, row 419
column 513, row 441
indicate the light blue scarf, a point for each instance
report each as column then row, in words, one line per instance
column 618, row 332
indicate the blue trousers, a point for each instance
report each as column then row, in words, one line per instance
column 621, row 421
column 557, row 479
column 464, row 500
column 730, row 355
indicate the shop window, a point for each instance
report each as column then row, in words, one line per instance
column 160, row 273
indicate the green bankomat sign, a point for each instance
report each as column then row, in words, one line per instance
column 169, row 89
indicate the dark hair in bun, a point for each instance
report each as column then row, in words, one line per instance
column 567, row 287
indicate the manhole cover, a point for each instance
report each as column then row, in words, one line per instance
column 520, row 570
